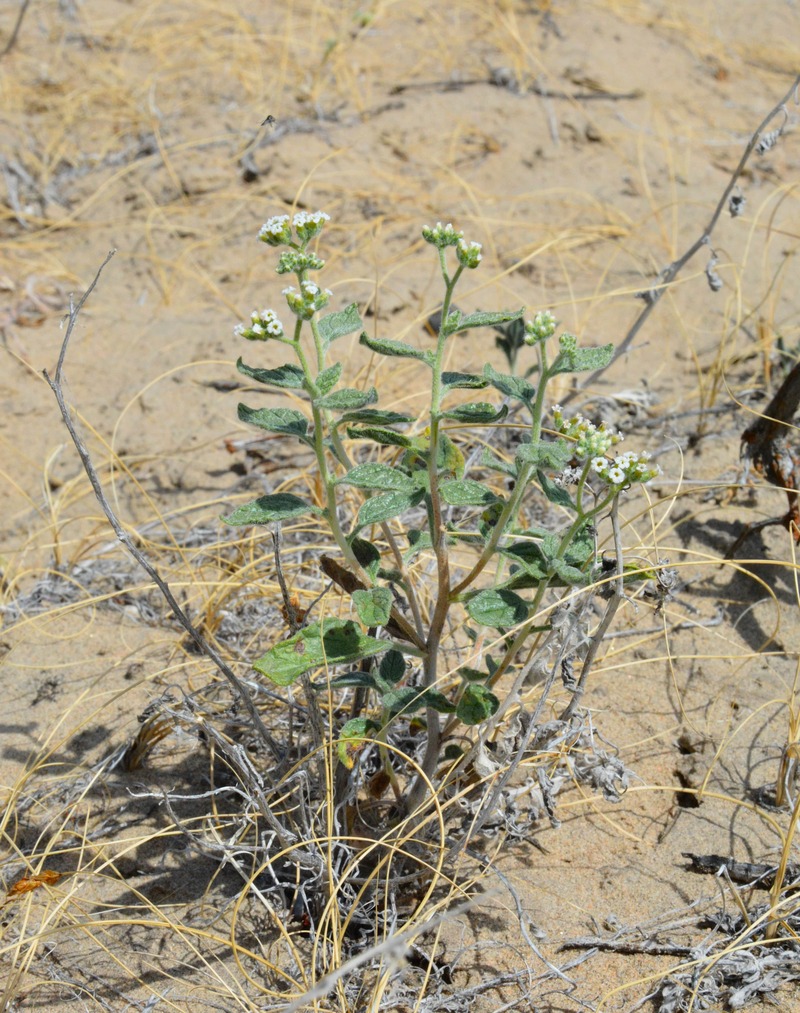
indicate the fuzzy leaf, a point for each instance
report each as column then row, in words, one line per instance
column 404, row 699
column 328, row 378
column 378, row 477
column 353, row 737
column 347, row 399
column 390, row 504
column 350, row 680
column 490, row 460
column 463, row 381
column 555, row 493
column 373, row 606
column 545, row 454
column 497, row 608
column 281, row 506
column 466, row 492
column 582, row 359
column 276, row 420
column 476, row 704
column 289, row 377
column 333, row 642
column 571, row 576
column 488, row 319
column 378, row 434
column 476, row 413
column 392, row 667
column 376, row 417
column 337, row 325
column 367, row 555
column 385, row 346
column 516, row 387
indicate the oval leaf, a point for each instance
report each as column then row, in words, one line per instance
column 512, row 386
column 385, row 346
column 376, row 476
column 332, row 642
column 352, row 739
column 385, row 437
column 383, row 508
column 477, row 704
column 463, row 381
column 337, row 325
column 328, row 379
column 466, row 492
column 480, row 319
column 275, row 420
column 377, row 417
column 373, row 606
column 281, row 506
column 290, row 376
column 497, row 608
column 348, row 399
column 582, row 359
column 477, row 412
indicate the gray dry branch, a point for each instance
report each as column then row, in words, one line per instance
column 760, row 141
column 56, row 385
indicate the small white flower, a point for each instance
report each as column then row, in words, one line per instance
column 615, row 475
column 599, row 465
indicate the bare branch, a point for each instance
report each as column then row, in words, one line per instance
column 56, row 385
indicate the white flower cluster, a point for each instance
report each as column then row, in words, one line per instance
column 305, row 303
column 309, row 224
column 590, row 440
column 278, row 232
column 442, row 235
column 625, row 469
column 469, row 254
column 265, row 324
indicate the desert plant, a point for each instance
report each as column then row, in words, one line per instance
column 436, row 526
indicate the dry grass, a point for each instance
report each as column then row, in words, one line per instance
column 129, row 823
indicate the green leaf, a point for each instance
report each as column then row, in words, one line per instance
column 528, row 555
column 332, row 642
column 545, row 454
column 373, row 606
column 367, row 555
column 497, row 608
column 571, row 576
column 390, row 504
column 466, row 492
column 449, row 457
column 350, row 680
column 555, row 493
column 582, row 359
column 480, row 319
column 476, row 704
column 581, row 549
column 386, row 346
column 276, row 420
column 392, row 667
column 418, row 541
column 378, row 434
column 490, row 460
column 353, row 737
column 347, row 399
column 376, row 476
column 328, row 379
column 463, row 381
column 516, row 387
column 439, row 702
column 404, row 699
column 337, row 325
column 476, row 413
column 281, row 506
column 376, row 417
column 289, row 377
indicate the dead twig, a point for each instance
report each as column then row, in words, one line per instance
column 12, row 41
column 668, row 274
column 56, row 385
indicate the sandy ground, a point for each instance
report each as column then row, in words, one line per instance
column 585, row 145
